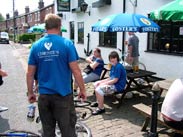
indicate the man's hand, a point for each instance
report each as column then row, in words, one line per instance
column 31, row 98
column 82, row 95
column 3, row 73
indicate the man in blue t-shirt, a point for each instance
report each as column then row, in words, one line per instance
column 55, row 60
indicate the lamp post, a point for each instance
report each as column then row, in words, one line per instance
column 14, row 20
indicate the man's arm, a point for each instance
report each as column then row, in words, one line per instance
column 79, row 79
column 3, row 73
column 30, row 81
column 129, row 56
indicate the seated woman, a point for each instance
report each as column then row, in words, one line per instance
column 115, row 83
column 172, row 107
column 97, row 64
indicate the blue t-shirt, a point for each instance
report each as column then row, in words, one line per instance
column 51, row 55
column 99, row 68
column 118, row 71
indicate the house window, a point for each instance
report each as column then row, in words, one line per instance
column 169, row 40
column 108, row 39
column 81, row 32
column 72, row 31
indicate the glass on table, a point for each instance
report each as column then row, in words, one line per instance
column 136, row 68
column 109, row 65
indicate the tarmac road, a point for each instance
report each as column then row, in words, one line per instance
column 122, row 122
column 13, row 92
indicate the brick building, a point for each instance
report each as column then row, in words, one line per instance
column 24, row 21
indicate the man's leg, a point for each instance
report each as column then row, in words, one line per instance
column 64, row 113
column 46, row 115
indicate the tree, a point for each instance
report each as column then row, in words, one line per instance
column 1, row 17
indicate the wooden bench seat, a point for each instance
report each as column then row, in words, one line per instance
column 146, row 111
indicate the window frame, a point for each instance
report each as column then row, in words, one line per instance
column 108, row 39
column 80, row 32
column 168, row 40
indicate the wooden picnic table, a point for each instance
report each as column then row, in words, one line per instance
column 134, row 85
column 165, row 84
column 152, row 113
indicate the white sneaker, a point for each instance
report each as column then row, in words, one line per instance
column 3, row 109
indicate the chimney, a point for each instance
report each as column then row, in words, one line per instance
column 7, row 16
column 27, row 9
column 41, row 4
column 16, row 13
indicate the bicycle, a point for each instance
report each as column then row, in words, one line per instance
column 19, row 133
column 82, row 130
column 127, row 65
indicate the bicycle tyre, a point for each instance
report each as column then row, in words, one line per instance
column 142, row 66
column 19, row 133
column 82, row 130
column 79, row 103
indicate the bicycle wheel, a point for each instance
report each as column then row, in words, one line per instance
column 142, row 66
column 19, row 133
column 83, row 113
column 82, row 130
column 79, row 103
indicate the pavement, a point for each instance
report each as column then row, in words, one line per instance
column 116, row 122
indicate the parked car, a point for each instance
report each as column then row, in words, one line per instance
column 4, row 37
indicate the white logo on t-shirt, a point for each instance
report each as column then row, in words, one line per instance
column 48, row 45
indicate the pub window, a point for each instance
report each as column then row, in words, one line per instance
column 81, row 32
column 169, row 40
column 108, row 39
column 79, row 2
column 72, row 31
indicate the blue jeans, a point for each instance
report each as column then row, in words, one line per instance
column 56, row 108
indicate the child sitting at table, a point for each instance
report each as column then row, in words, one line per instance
column 115, row 83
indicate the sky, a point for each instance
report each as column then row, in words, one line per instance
column 7, row 6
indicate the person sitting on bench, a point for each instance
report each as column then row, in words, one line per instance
column 172, row 107
column 96, row 64
column 115, row 83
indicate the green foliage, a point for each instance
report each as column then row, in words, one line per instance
column 27, row 37
column 1, row 17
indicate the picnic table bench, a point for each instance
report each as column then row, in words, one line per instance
column 148, row 111
column 133, row 83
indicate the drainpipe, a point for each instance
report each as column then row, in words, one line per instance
column 123, row 37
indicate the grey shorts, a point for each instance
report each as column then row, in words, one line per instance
column 105, row 89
